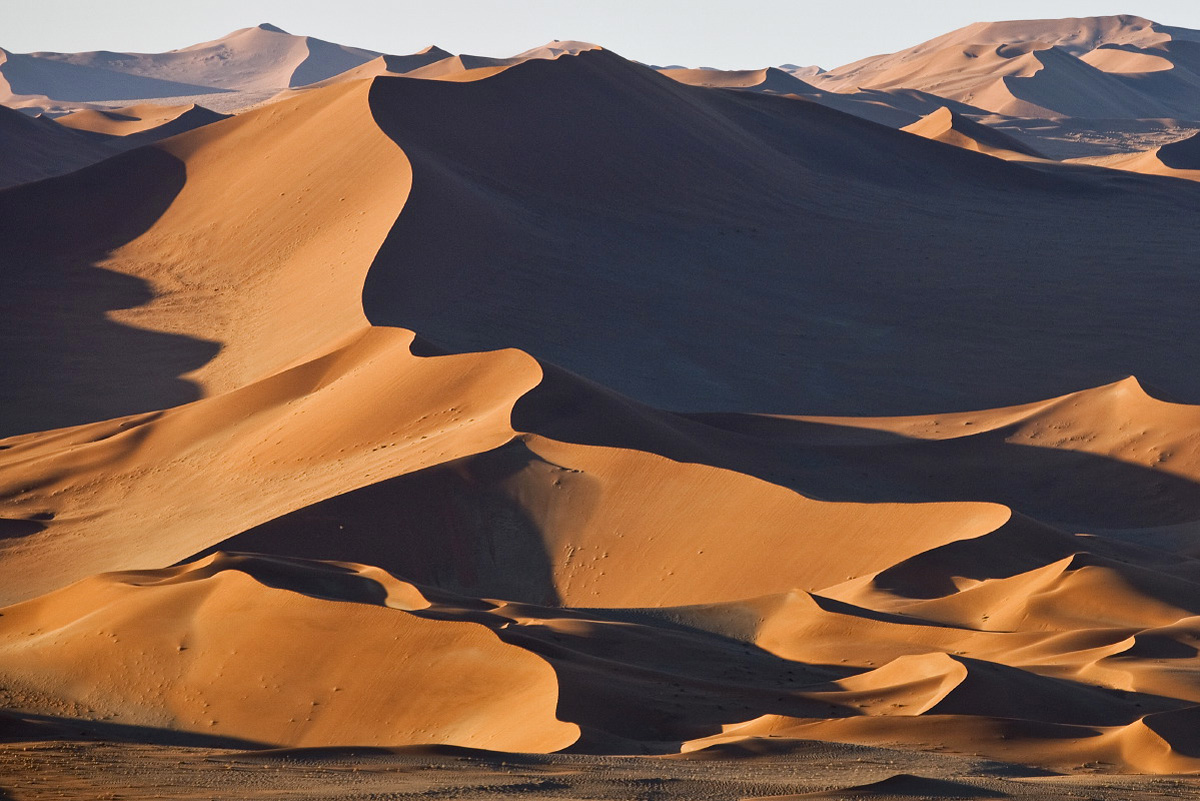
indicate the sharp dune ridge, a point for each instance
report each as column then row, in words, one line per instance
column 560, row 404
column 944, row 125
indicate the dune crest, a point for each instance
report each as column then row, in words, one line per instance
column 944, row 125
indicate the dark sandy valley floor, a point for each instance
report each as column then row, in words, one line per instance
column 89, row 769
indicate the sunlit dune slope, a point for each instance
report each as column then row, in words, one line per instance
column 140, row 121
column 946, row 126
column 182, row 649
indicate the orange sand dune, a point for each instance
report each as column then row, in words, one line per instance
column 946, row 126
column 327, row 426
column 626, row 678
column 353, row 422
column 148, row 649
column 265, row 285
column 145, row 118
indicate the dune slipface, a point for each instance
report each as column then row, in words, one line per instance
column 559, row 403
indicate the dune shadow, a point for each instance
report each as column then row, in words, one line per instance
column 63, row 359
column 323, row 580
column 1182, row 155
column 712, row 250
column 18, row 528
column 21, row 726
column 635, row 679
column 452, row 527
column 1058, row 486
column 835, row 462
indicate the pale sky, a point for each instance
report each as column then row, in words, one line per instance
column 712, row 33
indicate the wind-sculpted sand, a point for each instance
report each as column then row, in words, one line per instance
column 559, row 426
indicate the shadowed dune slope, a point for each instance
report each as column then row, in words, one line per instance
column 1104, row 459
column 755, row 183
column 249, row 265
column 35, row 148
column 54, row 234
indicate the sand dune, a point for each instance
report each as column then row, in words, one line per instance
column 161, row 121
column 391, row 65
column 1093, row 67
column 825, row 170
column 622, row 677
column 1179, row 159
column 251, row 60
column 355, row 419
column 944, row 125
column 895, row 108
column 766, row 80
column 29, row 80
column 434, row 63
column 35, row 148
column 165, row 642
column 266, row 285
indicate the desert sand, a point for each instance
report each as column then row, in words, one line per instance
column 564, row 425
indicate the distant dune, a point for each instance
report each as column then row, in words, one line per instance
column 260, row 58
column 1179, row 159
column 946, row 126
column 1120, row 67
column 36, row 148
